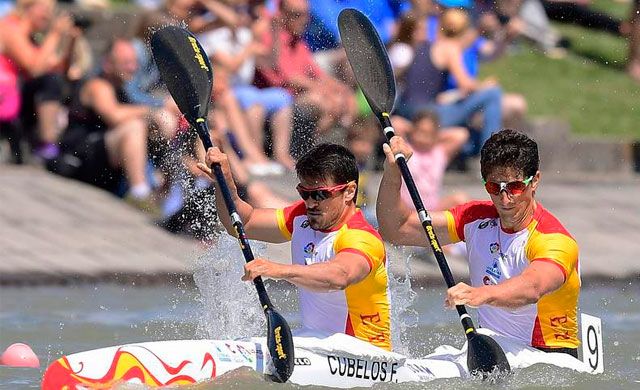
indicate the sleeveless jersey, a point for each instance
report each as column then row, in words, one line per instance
column 362, row 309
column 496, row 255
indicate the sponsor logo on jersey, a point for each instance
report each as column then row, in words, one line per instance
column 491, row 223
column 494, row 270
column 494, row 248
column 305, row 224
column 486, row 280
column 308, row 249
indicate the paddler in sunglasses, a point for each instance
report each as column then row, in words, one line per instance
column 338, row 258
column 523, row 264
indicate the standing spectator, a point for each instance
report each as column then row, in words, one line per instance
column 107, row 135
column 290, row 64
column 433, row 150
column 39, row 64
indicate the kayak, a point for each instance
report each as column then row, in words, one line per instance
column 335, row 361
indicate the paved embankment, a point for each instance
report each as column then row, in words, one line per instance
column 54, row 230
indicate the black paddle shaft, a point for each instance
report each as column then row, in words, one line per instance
column 203, row 133
column 186, row 71
column 425, row 220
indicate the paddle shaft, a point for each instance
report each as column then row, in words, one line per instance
column 425, row 220
column 203, row 133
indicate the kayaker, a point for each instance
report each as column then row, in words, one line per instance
column 338, row 258
column 523, row 264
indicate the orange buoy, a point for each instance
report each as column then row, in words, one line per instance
column 19, row 355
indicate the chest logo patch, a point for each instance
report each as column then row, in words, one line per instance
column 494, row 248
column 305, row 224
column 308, row 249
column 494, row 270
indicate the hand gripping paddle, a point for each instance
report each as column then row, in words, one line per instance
column 373, row 72
column 185, row 69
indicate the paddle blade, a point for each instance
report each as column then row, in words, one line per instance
column 280, row 344
column 368, row 59
column 485, row 356
column 185, row 69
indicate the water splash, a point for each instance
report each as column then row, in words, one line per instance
column 230, row 307
column 403, row 316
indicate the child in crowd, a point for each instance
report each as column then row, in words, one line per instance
column 433, row 150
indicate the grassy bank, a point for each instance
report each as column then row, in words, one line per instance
column 588, row 88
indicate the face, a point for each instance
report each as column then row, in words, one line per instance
column 513, row 208
column 424, row 134
column 123, row 61
column 325, row 214
column 296, row 16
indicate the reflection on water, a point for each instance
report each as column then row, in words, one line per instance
column 62, row 320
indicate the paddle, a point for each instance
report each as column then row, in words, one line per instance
column 374, row 75
column 185, row 69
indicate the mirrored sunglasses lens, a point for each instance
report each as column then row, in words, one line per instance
column 492, row 188
column 516, row 187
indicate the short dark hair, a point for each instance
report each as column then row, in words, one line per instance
column 329, row 161
column 509, row 149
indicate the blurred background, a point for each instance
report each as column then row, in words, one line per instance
column 106, row 221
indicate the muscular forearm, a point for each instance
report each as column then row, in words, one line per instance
column 512, row 293
column 322, row 277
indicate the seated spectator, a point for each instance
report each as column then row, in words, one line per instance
column 427, row 76
column 290, row 64
column 234, row 122
column 483, row 47
column 41, row 91
column 526, row 18
column 106, row 138
column 433, row 150
column 411, row 34
column 234, row 49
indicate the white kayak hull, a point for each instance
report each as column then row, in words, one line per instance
column 336, row 361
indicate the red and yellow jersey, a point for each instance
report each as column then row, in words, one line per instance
column 496, row 255
column 362, row 309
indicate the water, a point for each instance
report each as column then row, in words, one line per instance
column 62, row 320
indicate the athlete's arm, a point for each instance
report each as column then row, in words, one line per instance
column 399, row 224
column 259, row 224
column 538, row 279
column 100, row 95
column 345, row 269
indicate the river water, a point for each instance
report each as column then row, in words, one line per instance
column 65, row 319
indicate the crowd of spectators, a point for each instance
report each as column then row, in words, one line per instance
column 281, row 84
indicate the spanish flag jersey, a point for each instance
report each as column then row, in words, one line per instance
column 362, row 309
column 496, row 255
